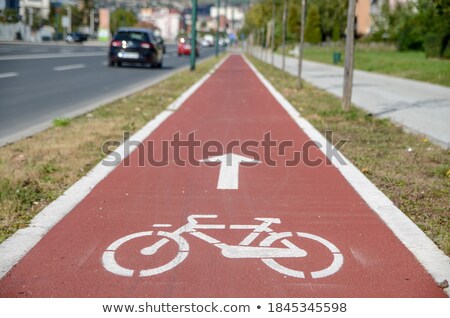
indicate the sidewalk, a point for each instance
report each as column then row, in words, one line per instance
column 215, row 202
column 418, row 106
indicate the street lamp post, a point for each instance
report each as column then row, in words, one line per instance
column 193, row 34
column 217, row 30
column 283, row 64
column 273, row 32
column 349, row 51
column 301, row 44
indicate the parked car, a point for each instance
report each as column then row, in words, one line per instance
column 136, row 45
column 184, row 47
column 76, row 37
column 206, row 43
column 209, row 38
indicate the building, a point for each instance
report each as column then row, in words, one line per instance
column 363, row 19
column 233, row 18
column 9, row 4
column 41, row 6
column 165, row 19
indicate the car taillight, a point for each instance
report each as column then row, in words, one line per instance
column 146, row 45
column 116, row 43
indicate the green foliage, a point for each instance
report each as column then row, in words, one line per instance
column 416, row 25
column 313, row 33
column 61, row 122
column 330, row 19
column 293, row 21
column 88, row 5
column 336, row 34
column 56, row 14
column 333, row 16
column 9, row 16
column 432, row 44
column 122, row 18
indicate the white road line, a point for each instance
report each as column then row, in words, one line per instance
column 68, row 67
column 50, row 56
column 11, row 74
column 39, row 51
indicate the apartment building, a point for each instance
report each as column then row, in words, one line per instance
column 42, row 6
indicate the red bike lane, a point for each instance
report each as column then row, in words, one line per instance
column 261, row 229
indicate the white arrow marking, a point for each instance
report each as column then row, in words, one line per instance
column 229, row 170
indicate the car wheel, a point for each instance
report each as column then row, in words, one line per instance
column 119, row 64
column 111, row 64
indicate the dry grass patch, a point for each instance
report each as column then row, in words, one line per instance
column 411, row 171
column 36, row 170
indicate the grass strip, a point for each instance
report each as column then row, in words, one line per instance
column 411, row 64
column 37, row 170
column 408, row 168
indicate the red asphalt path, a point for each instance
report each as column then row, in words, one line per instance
column 231, row 105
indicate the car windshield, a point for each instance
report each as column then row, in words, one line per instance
column 132, row 36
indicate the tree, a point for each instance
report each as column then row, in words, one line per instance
column 313, row 33
column 416, row 25
column 9, row 16
column 434, row 18
column 293, row 21
column 87, row 6
column 122, row 18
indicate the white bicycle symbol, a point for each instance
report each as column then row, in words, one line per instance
column 264, row 251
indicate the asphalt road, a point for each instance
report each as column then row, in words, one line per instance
column 39, row 83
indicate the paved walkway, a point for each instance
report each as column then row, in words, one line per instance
column 231, row 209
column 418, row 106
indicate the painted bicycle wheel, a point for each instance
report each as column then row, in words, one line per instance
column 334, row 267
column 111, row 265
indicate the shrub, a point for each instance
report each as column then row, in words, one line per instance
column 313, row 34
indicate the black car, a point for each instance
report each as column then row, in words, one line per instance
column 135, row 45
column 76, row 37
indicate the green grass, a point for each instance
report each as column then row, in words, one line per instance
column 411, row 171
column 61, row 122
column 412, row 65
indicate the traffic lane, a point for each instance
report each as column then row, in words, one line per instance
column 36, row 65
column 48, row 77
column 40, row 94
column 38, row 69
column 7, row 49
column 42, row 49
column 315, row 200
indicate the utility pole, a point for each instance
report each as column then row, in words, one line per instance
column 349, row 50
column 232, row 17
column 226, row 14
column 193, row 34
column 283, row 64
column 273, row 33
column 69, row 14
column 302, row 42
column 262, row 43
column 216, row 40
column 92, row 23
